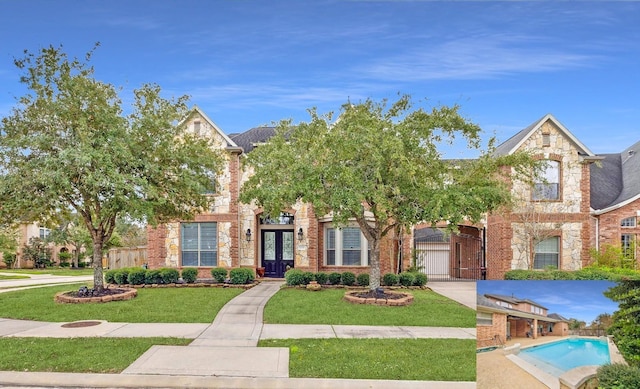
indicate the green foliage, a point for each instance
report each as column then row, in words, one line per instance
column 9, row 259
column 121, row 276
column 64, row 258
column 384, row 156
column 219, row 274
column 613, row 256
column 335, row 278
column 294, row 277
column 363, row 279
column 110, row 276
column 587, row 273
column 618, row 376
column 239, row 276
column 169, row 275
column 348, row 278
column 67, row 146
column 189, row 275
column 136, row 276
column 153, row 276
column 626, row 320
column 420, row 279
column 390, row 279
column 37, row 251
column 321, row 278
column 406, row 278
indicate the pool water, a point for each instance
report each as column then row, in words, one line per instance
column 558, row 357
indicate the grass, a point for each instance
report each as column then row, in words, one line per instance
column 56, row 271
column 152, row 305
column 3, row 277
column 80, row 355
column 390, row 359
column 429, row 309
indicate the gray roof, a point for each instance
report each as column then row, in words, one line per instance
column 557, row 316
column 616, row 179
column 248, row 139
column 485, row 302
column 514, row 300
column 506, row 147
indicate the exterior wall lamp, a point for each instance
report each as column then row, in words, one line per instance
column 300, row 234
column 248, row 234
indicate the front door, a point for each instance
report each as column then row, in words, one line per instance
column 277, row 252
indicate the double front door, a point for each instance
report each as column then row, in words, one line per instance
column 277, row 252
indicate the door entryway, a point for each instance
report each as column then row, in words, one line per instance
column 277, row 252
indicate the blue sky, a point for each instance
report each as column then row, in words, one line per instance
column 583, row 300
column 250, row 63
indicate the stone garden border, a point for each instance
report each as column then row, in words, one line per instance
column 399, row 302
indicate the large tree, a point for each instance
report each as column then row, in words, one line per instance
column 626, row 320
column 378, row 165
column 68, row 147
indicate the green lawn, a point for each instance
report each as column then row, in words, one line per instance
column 429, row 309
column 390, row 359
column 152, row 305
column 56, row 271
column 16, row 277
column 77, row 355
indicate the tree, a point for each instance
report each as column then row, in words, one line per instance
column 68, row 147
column 626, row 320
column 575, row 324
column 73, row 233
column 378, row 165
column 37, row 251
column 8, row 245
column 602, row 322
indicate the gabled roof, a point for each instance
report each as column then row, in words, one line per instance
column 197, row 110
column 512, row 144
column 615, row 181
column 513, row 299
column 485, row 304
column 250, row 138
column 557, row 316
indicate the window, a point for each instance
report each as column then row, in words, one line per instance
column 196, row 128
column 504, row 304
column 199, row 244
column 44, row 233
column 212, row 188
column 628, row 245
column 549, row 187
column 546, row 140
column 346, row 247
column 536, row 310
column 628, row 222
column 484, row 319
column 547, row 253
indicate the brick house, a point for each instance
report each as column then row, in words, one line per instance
column 233, row 234
column 500, row 318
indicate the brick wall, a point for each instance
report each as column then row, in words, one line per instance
column 610, row 231
column 485, row 334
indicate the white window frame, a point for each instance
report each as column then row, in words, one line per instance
column 628, row 222
column 43, row 233
column 538, row 252
column 484, row 318
column 543, row 189
column 364, row 247
column 200, row 250
column 628, row 244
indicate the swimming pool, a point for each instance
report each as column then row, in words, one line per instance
column 556, row 358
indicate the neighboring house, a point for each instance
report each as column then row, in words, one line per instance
column 501, row 318
column 27, row 231
column 233, row 234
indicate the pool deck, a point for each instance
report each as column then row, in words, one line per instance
column 500, row 371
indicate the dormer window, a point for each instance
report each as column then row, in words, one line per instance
column 546, row 140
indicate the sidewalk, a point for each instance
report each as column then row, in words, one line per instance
column 225, row 349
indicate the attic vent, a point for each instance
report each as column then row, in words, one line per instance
column 546, row 140
column 631, row 152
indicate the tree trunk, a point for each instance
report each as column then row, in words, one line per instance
column 98, row 277
column 374, row 265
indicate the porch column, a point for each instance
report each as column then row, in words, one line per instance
column 535, row 328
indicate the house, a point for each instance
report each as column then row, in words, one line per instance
column 501, row 318
column 232, row 234
column 24, row 233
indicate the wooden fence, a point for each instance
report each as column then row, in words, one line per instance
column 121, row 257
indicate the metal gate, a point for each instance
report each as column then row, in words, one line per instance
column 444, row 256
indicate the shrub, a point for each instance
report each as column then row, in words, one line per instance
column 419, row 279
column 109, row 276
column 321, row 278
column 363, row 279
column 169, row 275
column 241, row 276
column 307, row 277
column 348, row 278
column 618, row 376
column 406, row 279
column 219, row 274
column 562, row 275
column 390, row 279
column 334, row 278
column 294, row 277
column 189, row 275
column 136, row 276
column 122, row 276
column 153, row 277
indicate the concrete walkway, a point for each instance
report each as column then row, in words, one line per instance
column 225, row 349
